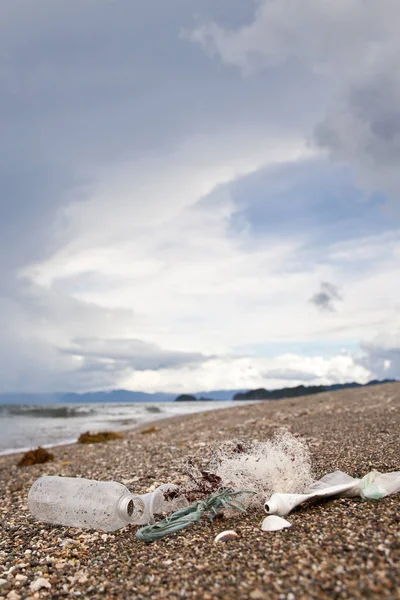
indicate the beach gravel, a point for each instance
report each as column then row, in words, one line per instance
column 342, row 548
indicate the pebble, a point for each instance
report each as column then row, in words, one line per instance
column 40, row 583
column 258, row 595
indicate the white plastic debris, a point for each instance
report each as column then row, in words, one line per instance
column 225, row 536
column 373, row 486
column 280, row 464
column 274, row 523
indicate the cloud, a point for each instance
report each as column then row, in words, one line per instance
column 365, row 131
column 150, row 311
column 161, row 212
column 351, row 47
column 280, row 32
column 133, row 354
column 381, row 353
column 252, row 372
column 325, row 298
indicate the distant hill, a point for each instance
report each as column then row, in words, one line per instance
column 301, row 390
column 120, row 396
column 126, row 396
column 113, row 396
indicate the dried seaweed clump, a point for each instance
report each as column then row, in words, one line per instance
column 98, row 438
column 201, row 483
column 35, row 457
column 151, row 429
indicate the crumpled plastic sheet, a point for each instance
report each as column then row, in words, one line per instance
column 373, row 486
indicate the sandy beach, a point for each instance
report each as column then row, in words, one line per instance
column 343, row 548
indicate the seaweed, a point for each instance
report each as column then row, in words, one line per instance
column 150, row 429
column 98, row 438
column 35, row 457
column 202, row 482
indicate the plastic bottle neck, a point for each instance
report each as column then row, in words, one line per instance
column 130, row 508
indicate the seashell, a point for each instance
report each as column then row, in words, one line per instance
column 225, row 536
column 274, row 523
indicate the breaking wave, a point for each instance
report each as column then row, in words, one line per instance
column 51, row 412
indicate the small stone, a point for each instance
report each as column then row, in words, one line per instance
column 3, row 582
column 21, row 578
column 38, row 584
column 13, row 595
column 258, row 595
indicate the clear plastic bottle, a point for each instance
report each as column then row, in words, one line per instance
column 88, row 504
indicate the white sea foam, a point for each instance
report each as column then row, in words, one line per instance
column 27, row 426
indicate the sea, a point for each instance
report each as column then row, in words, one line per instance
column 23, row 427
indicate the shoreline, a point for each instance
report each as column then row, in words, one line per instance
column 342, row 548
column 153, row 419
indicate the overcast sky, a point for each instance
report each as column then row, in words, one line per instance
column 198, row 195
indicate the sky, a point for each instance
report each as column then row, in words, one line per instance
column 198, row 195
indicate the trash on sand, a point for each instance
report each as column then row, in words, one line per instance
column 281, row 464
column 373, row 486
column 191, row 514
column 225, row 536
column 35, row 457
column 237, row 476
column 104, row 505
column 98, row 438
column 274, row 523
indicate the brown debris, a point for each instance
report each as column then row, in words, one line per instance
column 201, row 483
column 98, row 438
column 150, row 429
column 35, row 457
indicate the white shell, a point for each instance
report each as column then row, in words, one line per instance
column 224, row 536
column 274, row 523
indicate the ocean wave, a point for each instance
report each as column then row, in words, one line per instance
column 153, row 409
column 50, row 412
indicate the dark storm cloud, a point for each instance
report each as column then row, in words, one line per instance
column 382, row 360
column 326, row 297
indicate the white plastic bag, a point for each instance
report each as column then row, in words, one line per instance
column 373, row 486
column 377, row 485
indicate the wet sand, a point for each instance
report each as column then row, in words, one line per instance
column 343, row 548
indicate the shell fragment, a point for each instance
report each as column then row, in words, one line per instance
column 274, row 523
column 225, row 536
